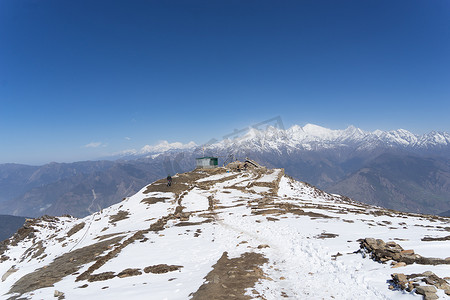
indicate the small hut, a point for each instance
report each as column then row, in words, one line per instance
column 207, row 162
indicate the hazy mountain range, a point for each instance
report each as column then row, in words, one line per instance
column 394, row 169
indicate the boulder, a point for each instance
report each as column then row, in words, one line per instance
column 437, row 282
column 399, row 277
column 422, row 289
column 430, row 296
column 407, row 252
column 398, row 265
column 58, row 294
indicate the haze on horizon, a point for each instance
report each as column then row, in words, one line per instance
column 82, row 79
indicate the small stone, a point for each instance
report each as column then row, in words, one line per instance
column 58, row 294
column 425, row 289
column 398, row 265
column 427, row 273
column 447, row 292
column 391, row 287
column 263, row 246
column 282, row 278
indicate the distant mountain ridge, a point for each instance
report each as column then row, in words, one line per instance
column 352, row 162
column 314, row 137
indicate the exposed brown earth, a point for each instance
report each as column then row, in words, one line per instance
column 101, row 276
column 103, row 259
column 75, row 229
column 153, row 200
column 325, row 235
column 231, row 277
column 162, row 268
column 129, row 272
column 62, row 266
column 121, row 215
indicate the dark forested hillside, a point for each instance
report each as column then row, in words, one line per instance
column 9, row 225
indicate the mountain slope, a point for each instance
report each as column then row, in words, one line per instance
column 84, row 193
column 249, row 234
column 401, row 182
column 9, row 225
column 16, row 179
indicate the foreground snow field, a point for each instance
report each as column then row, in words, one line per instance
column 219, row 233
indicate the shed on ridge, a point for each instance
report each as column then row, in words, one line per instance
column 207, row 162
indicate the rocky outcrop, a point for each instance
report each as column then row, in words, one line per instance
column 412, row 281
column 383, row 252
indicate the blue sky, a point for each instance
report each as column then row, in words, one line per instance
column 117, row 75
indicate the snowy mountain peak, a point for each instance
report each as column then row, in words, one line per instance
column 213, row 233
column 164, row 146
column 314, row 137
column 318, row 131
column 161, row 147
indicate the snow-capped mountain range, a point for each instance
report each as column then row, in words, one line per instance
column 223, row 234
column 314, row 137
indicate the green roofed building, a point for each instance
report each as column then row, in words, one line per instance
column 207, row 162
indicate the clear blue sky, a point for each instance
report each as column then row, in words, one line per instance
column 123, row 74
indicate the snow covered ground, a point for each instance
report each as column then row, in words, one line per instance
column 309, row 238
